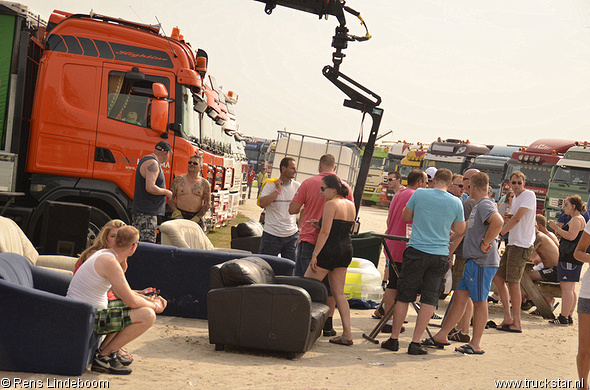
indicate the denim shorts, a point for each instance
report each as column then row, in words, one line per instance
column 422, row 274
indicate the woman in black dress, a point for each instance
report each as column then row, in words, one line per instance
column 333, row 250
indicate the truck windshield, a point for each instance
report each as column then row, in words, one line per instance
column 451, row 166
column 391, row 163
column 405, row 170
column 377, row 163
column 189, row 117
column 536, row 176
column 571, row 176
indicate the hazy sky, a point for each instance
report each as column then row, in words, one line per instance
column 501, row 72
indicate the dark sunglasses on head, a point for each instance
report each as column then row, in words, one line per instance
column 514, row 183
column 193, row 163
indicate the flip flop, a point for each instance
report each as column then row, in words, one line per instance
column 432, row 343
column 468, row 350
column 507, row 328
column 340, row 340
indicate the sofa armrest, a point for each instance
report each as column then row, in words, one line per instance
column 67, row 263
column 316, row 289
column 265, row 316
column 51, row 281
column 32, row 318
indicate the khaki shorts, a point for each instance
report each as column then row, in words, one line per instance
column 513, row 262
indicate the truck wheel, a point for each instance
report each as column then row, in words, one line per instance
column 98, row 219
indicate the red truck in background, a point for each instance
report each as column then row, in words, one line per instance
column 84, row 97
column 536, row 163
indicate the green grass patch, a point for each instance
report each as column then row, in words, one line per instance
column 221, row 238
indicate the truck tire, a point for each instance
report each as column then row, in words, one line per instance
column 98, row 219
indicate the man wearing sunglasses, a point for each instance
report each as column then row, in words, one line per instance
column 191, row 193
column 521, row 243
column 456, row 187
column 394, row 184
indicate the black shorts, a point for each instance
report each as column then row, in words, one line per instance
column 393, row 278
column 422, row 274
column 549, row 274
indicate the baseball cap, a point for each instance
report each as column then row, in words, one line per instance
column 164, row 146
column 431, row 171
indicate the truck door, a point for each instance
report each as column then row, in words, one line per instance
column 124, row 135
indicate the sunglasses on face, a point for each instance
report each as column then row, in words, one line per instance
column 514, row 182
column 459, row 185
column 390, row 179
column 324, row 188
column 193, row 163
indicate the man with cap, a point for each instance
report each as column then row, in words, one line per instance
column 430, row 172
column 149, row 199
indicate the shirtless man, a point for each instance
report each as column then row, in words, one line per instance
column 191, row 193
column 547, row 254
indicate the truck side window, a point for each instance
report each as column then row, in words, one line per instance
column 129, row 99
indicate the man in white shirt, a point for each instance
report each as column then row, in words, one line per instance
column 521, row 244
column 281, row 233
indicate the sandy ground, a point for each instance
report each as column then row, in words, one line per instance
column 176, row 354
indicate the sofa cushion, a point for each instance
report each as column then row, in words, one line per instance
column 15, row 268
column 12, row 239
column 183, row 233
column 247, row 270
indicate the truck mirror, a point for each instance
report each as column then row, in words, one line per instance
column 159, row 108
column 159, row 90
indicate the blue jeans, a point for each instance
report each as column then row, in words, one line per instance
column 273, row 245
column 304, row 254
column 249, row 190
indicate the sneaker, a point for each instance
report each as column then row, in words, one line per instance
column 570, row 320
column 460, row 336
column 109, row 364
column 391, row 344
column 435, row 317
column 330, row 333
column 417, row 349
column 561, row 320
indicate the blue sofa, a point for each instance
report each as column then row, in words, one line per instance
column 182, row 275
column 42, row 331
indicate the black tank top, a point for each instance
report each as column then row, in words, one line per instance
column 143, row 201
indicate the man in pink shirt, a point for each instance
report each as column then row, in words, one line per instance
column 396, row 226
column 308, row 196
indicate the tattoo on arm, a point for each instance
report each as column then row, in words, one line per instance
column 206, row 198
column 153, row 167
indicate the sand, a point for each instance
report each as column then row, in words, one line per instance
column 175, row 354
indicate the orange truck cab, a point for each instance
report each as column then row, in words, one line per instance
column 104, row 92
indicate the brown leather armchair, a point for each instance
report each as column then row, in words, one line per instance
column 249, row 307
